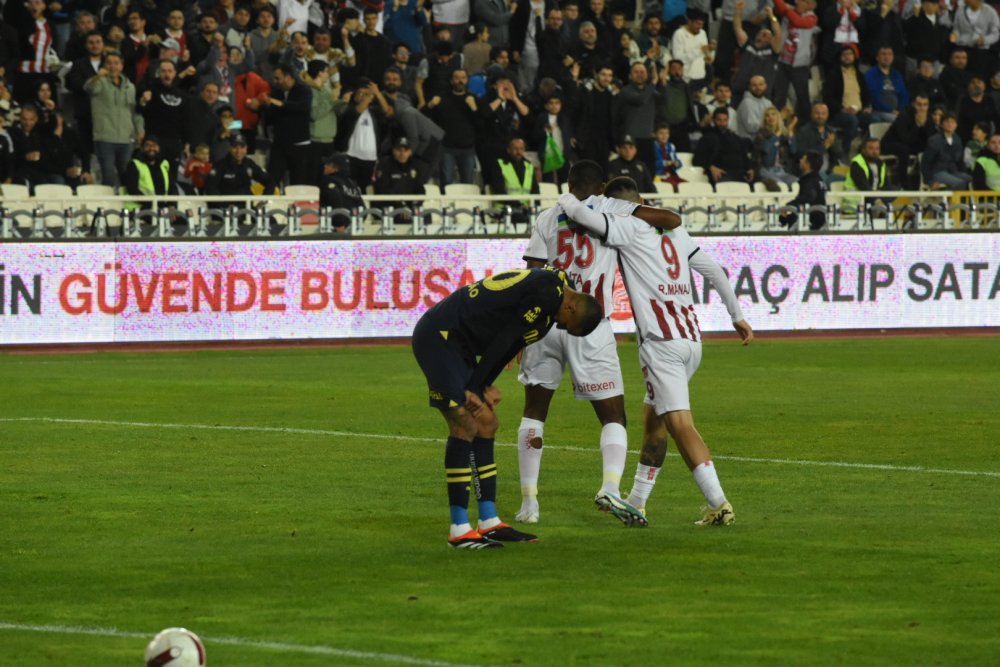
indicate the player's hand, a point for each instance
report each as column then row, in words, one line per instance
column 569, row 203
column 473, row 404
column 744, row 330
column 492, row 397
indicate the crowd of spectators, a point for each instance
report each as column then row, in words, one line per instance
column 199, row 95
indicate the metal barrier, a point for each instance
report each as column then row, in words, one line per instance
column 442, row 215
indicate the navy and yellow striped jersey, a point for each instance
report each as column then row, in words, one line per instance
column 489, row 321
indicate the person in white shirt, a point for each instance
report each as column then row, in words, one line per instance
column 590, row 267
column 690, row 45
column 656, row 266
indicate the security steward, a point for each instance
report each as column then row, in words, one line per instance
column 338, row 190
column 401, row 173
column 627, row 164
column 149, row 173
column 515, row 176
column 236, row 174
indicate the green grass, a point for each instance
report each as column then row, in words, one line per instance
column 337, row 540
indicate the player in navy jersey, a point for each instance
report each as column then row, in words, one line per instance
column 461, row 345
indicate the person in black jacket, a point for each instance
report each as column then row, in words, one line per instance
column 926, row 35
column 288, row 110
column 846, row 114
column 926, row 83
column 724, row 155
column 812, row 192
column 400, row 174
column 83, row 69
column 338, row 190
column 165, row 108
column 235, row 174
column 908, row 135
column 628, row 164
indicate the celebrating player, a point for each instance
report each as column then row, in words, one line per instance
column 593, row 359
column 491, row 319
column 656, row 269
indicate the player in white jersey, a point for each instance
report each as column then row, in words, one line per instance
column 656, row 268
column 593, row 360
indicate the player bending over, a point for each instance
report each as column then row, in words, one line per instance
column 461, row 345
column 656, row 268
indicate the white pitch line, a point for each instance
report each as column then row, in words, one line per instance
column 565, row 448
column 238, row 641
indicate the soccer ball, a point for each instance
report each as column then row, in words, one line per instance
column 175, row 647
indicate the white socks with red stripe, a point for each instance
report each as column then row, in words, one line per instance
column 708, row 481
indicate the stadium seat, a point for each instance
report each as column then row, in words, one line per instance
column 686, row 159
column 878, row 130
column 54, row 199
column 89, row 198
column 17, row 198
column 693, row 174
column 549, row 193
column 471, row 192
column 733, row 194
column 433, row 190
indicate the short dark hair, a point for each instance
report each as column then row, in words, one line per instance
column 496, row 51
column 622, row 187
column 815, row 160
column 269, row 9
column 585, row 175
column 720, row 111
column 675, row 60
column 392, row 69
column 284, row 69
column 591, row 313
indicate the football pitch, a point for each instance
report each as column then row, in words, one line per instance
column 289, row 506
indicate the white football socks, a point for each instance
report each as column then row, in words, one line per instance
column 614, row 449
column 642, row 485
column 708, row 481
column 529, row 459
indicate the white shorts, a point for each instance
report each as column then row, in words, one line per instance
column 593, row 363
column 667, row 365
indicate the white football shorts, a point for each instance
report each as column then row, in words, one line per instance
column 593, row 363
column 667, row 366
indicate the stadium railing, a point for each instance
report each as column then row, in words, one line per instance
column 746, row 211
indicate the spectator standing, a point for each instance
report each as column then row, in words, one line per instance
column 503, row 116
column 10, row 54
column 927, row 33
column 161, row 105
column 690, row 46
column 84, row 23
column 817, row 136
column 908, row 136
column 115, row 117
column 238, row 29
column 288, row 111
column 222, row 66
column 840, row 22
column 364, row 123
column 476, row 54
column 36, row 38
column 250, row 92
column 443, row 63
column 595, row 120
column 7, row 164
column 413, row 76
column 553, row 137
column 456, row 112
column 626, row 163
column 955, row 77
column 374, row 51
column 986, row 172
column 174, row 29
column 756, row 18
column 589, row 52
column 294, row 14
column 675, row 106
column 886, row 88
column 847, row 96
column 636, row 111
column 759, row 55
column 400, row 173
column 327, row 105
column 553, row 48
column 83, row 69
column 201, row 41
column 204, row 116
column 797, row 55
column 404, row 21
column 138, row 47
column 265, row 42
column 883, row 27
column 526, row 28
column 943, row 162
column 496, row 16
column 974, row 108
column 751, row 110
column 977, row 28
column 722, row 97
column 423, row 135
